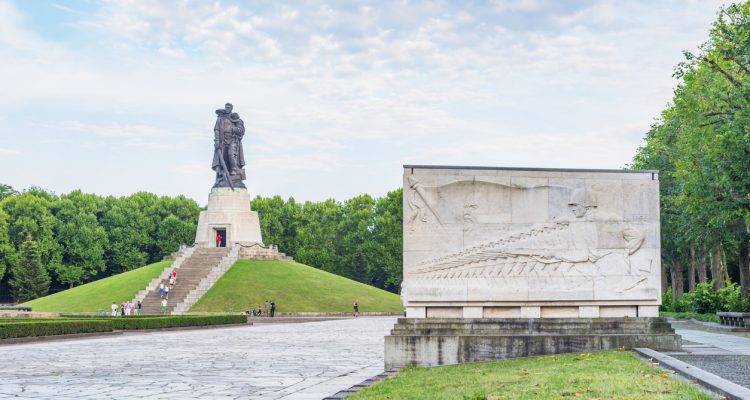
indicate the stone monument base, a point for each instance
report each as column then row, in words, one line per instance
column 444, row 341
column 229, row 213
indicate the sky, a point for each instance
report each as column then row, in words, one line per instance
column 118, row 96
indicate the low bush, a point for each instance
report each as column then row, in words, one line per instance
column 175, row 321
column 704, row 299
column 31, row 327
column 19, row 329
column 693, row 315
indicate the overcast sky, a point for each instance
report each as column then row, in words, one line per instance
column 115, row 97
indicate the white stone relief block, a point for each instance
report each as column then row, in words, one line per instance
column 503, row 236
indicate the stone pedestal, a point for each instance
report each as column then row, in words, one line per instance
column 228, row 210
column 444, row 341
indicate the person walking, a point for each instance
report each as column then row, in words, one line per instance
column 166, row 292
column 356, row 308
column 140, row 305
column 273, row 309
column 114, row 309
column 122, row 309
column 265, row 308
column 163, row 306
column 171, row 282
column 161, row 289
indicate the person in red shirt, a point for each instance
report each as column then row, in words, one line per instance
column 218, row 240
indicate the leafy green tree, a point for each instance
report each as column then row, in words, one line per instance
column 82, row 239
column 172, row 233
column 30, row 213
column 6, row 191
column 702, row 147
column 7, row 251
column 29, row 278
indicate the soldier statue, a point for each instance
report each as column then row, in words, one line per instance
column 229, row 159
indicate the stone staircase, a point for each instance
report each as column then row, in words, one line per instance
column 192, row 271
column 178, row 258
column 213, row 275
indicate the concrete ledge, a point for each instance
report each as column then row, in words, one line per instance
column 713, row 382
column 445, row 341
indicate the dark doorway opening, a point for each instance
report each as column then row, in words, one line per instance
column 221, row 237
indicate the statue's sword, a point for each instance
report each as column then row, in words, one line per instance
column 224, row 167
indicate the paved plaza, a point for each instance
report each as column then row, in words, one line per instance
column 725, row 355
column 276, row 361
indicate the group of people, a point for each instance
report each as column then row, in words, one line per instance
column 127, row 308
column 164, row 289
column 268, row 310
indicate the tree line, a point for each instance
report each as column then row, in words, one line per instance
column 50, row 242
column 701, row 146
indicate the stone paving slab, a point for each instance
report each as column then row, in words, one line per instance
column 279, row 361
column 731, row 343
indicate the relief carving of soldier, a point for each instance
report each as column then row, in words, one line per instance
column 229, row 158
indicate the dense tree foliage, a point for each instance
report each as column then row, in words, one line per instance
column 81, row 237
column 701, row 145
column 29, row 279
column 360, row 238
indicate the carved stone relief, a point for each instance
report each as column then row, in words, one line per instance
column 485, row 237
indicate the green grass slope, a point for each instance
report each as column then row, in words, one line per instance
column 293, row 287
column 99, row 295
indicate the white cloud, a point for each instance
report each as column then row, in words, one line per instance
column 9, row 152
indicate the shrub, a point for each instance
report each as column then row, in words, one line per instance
column 703, row 299
column 174, row 321
column 15, row 329
column 730, row 298
column 666, row 301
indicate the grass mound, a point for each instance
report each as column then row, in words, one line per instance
column 99, row 295
column 604, row 375
column 293, row 287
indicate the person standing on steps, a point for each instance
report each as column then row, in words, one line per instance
column 218, row 240
column 163, row 306
column 139, row 307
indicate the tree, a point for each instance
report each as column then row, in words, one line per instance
column 6, row 191
column 7, row 251
column 701, row 145
column 81, row 237
column 172, row 233
column 29, row 278
column 30, row 213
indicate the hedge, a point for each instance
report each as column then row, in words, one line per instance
column 49, row 328
column 16, row 328
column 175, row 321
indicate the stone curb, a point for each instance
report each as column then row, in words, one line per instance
column 706, row 379
column 367, row 382
column 73, row 336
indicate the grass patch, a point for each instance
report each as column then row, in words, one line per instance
column 99, row 295
column 603, row 375
column 293, row 287
column 689, row 315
